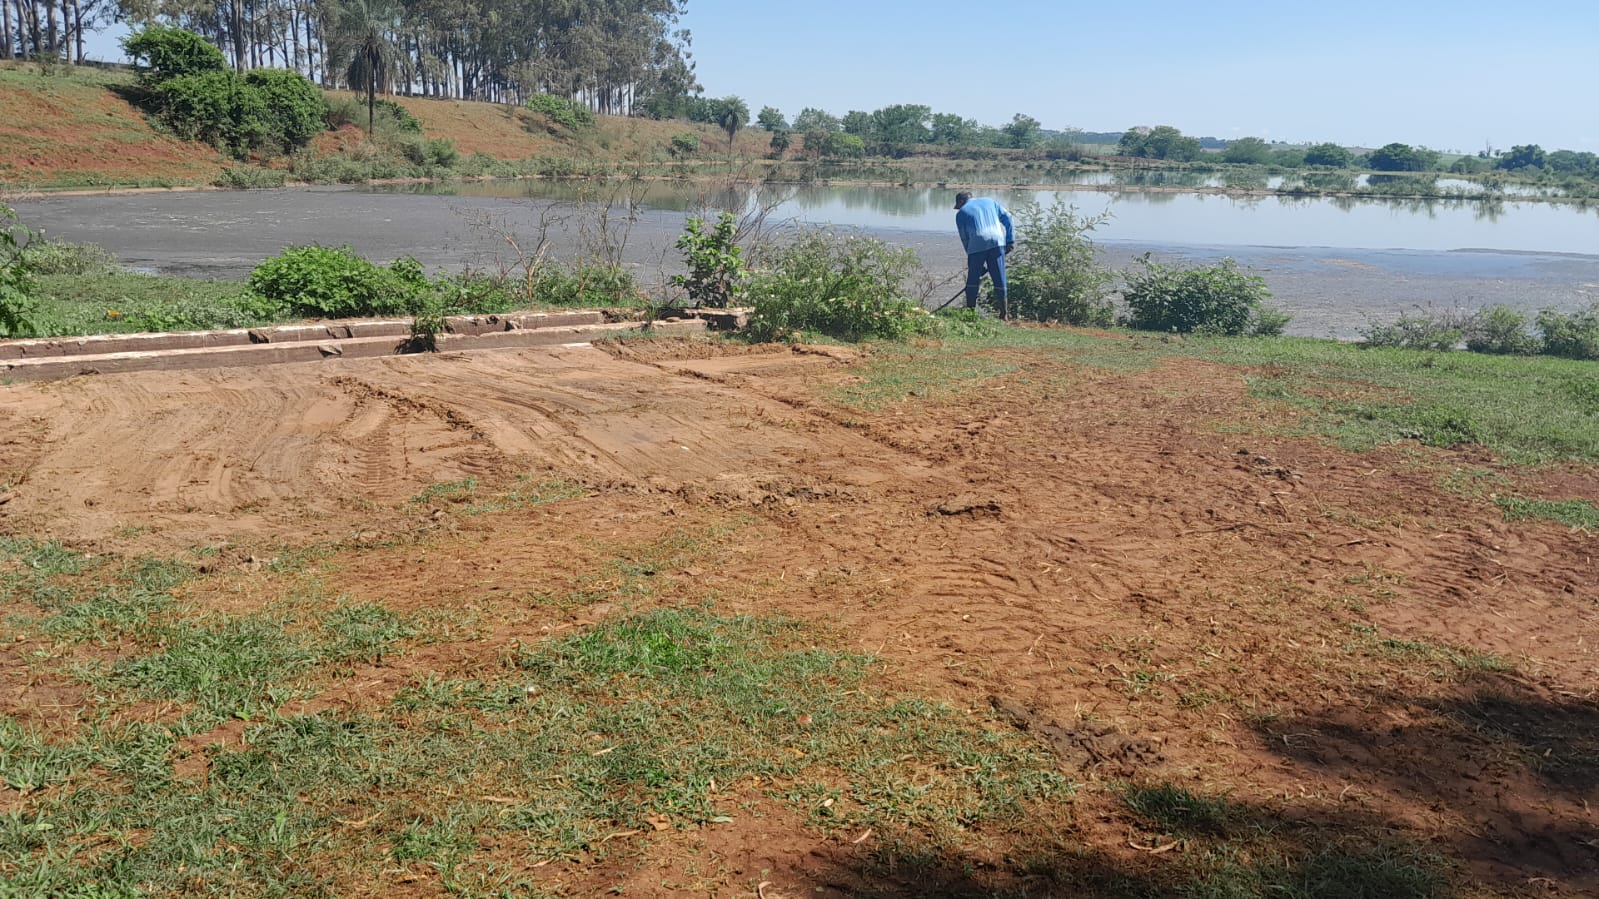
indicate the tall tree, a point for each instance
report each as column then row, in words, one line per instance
column 362, row 44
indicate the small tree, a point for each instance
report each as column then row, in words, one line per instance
column 160, row 53
column 771, row 119
column 17, row 301
column 780, row 143
column 1247, row 151
column 1056, row 274
column 1023, row 131
column 732, row 113
column 715, row 263
column 841, row 145
column 1522, row 156
column 1329, row 155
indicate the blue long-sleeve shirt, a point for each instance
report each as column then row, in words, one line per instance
column 983, row 225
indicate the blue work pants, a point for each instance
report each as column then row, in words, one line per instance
column 993, row 262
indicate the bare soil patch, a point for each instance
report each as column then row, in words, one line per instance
column 1329, row 640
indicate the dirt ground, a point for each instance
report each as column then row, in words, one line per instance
column 1128, row 566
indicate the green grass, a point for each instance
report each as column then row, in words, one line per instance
column 120, row 302
column 1174, row 810
column 676, row 716
column 1574, row 513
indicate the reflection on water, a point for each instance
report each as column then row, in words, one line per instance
column 1156, row 217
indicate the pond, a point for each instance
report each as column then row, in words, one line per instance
column 1335, row 264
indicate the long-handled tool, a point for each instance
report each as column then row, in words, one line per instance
column 962, row 292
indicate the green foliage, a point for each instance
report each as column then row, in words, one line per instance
column 1247, row 151
column 1160, row 142
column 563, row 111
column 841, row 145
column 1522, row 156
column 219, row 108
column 1573, row 513
column 296, row 108
column 1175, row 810
column 780, row 143
column 586, row 285
column 685, row 143
column 1329, row 155
column 715, row 263
column 771, row 119
column 1573, row 335
column 160, row 53
column 1055, row 274
column 250, row 177
column 1397, row 157
column 56, row 257
column 336, row 283
column 17, row 300
column 1500, row 330
column 1023, row 131
column 844, row 286
column 1422, row 331
column 118, row 302
column 1218, row 299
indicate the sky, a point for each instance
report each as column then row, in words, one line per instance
column 1458, row 76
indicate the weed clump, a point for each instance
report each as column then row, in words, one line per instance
column 841, row 285
column 1220, row 299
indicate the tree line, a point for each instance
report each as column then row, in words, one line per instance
column 612, row 55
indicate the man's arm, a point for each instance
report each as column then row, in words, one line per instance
column 962, row 228
column 1010, row 233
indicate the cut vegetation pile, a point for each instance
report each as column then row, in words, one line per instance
column 1040, row 613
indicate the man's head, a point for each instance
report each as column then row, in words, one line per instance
column 961, row 198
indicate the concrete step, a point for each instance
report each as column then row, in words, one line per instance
column 303, row 344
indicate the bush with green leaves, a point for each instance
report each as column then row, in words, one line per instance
column 685, row 144
column 843, row 285
column 562, row 111
column 219, row 108
column 160, row 53
column 17, row 300
column 1502, row 331
column 1573, row 335
column 336, row 283
column 1055, row 274
column 584, row 285
column 1422, row 331
column 58, row 257
column 1214, row 299
column 715, row 262
column 296, row 108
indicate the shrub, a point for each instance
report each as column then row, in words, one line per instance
column 296, row 109
column 1216, row 299
column 440, row 151
column 17, row 299
column 1056, row 275
column 685, row 144
column 560, row 110
column 841, row 145
column 1573, row 335
column 1426, row 331
column 160, row 53
column 1500, row 330
column 248, row 177
column 585, row 285
column 336, row 283
column 218, row 108
column 715, row 263
column 845, row 286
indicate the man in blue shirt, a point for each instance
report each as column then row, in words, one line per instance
column 985, row 229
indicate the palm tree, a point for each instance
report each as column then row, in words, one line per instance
column 732, row 114
column 362, row 46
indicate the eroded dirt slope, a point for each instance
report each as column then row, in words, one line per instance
column 1087, row 552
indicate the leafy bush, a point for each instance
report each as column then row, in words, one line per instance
column 845, row 286
column 336, row 283
column 1056, row 275
column 296, row 109
column 1500, row 330
column 715, row 263
column 440, row 151
column 50, row 257
column 160, row 53
column 840, row 145
column 249, row 177
column 685, row 143
column 1216, row 299
column 562, row 111
column 585, row 285
column 1572, row 335
column 1426, row 331
column 243, row 311
column 17, row 300
column 390, row 120
column 218, row 108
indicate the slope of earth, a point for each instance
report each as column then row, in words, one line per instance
column 1270, row 667
column 70, row 128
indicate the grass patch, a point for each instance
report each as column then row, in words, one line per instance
column 1175, row 810
column 1573, row 513
column 925, row 373
column 677, row 718
column 124, row 302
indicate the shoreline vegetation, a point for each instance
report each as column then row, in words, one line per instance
column 115, row 147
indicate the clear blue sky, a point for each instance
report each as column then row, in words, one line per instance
column 1450, row 75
